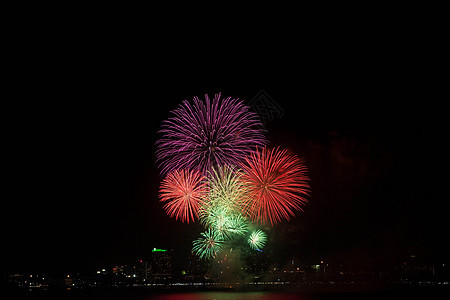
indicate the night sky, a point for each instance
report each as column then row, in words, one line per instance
column 81, row 179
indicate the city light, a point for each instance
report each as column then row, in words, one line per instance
column 158, row 250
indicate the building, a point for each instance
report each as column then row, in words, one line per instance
column 196, row 269
column 161, row 265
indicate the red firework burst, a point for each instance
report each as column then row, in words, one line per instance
column 278, row 184
column 183, row 191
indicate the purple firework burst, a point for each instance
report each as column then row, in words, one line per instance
column 203, row 134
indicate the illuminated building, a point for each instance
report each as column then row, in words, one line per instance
column 161, row 265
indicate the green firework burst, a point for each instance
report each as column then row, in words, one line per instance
column 222, row 212
column 227, row 189
column 208, row 245
column 257, row 239
column 238, row 224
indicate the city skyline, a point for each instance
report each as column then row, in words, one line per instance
column 157, row 272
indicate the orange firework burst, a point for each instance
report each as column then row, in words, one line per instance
column 183, row 191
column 278, row 184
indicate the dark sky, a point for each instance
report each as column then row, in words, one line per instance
column 81, row 186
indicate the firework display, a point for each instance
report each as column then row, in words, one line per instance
column 257, row 239
column 183, row 191
column 208, row 245
column 277, row 182
column 222, row 212
column 203, row 134
column 217, row 170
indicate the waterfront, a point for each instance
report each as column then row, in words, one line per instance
column 305, row 292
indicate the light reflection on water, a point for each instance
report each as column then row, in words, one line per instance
column 228, row 296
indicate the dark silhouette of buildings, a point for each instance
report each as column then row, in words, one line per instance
column 161, row 265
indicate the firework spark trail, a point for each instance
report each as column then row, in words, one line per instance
column 277, row 182
column 203, row 134
column 184, row 192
